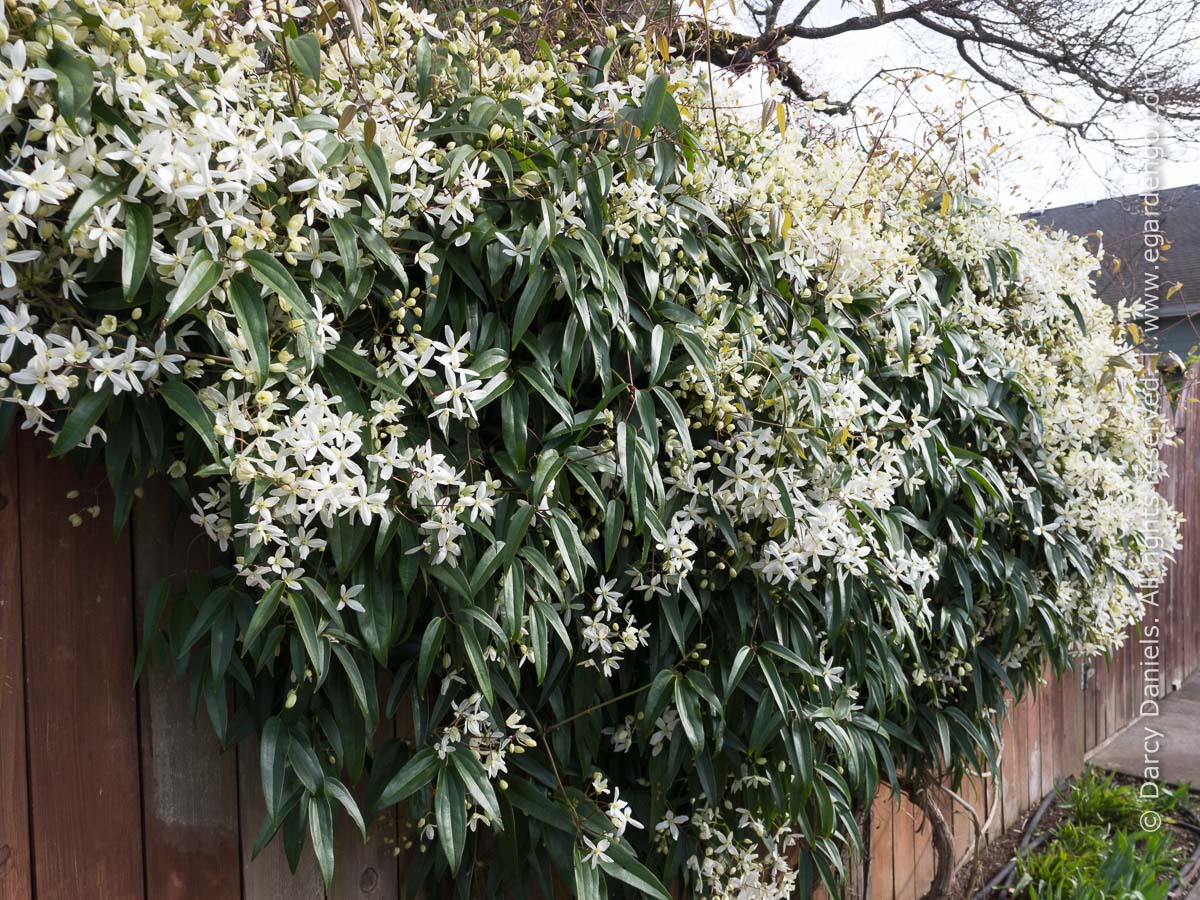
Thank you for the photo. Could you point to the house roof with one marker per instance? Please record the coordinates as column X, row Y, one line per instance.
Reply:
column 1124, row 222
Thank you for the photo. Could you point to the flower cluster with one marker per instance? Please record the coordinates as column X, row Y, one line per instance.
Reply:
column 652, row 460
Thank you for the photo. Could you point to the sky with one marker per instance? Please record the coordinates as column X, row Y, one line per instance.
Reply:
column 1037, row 167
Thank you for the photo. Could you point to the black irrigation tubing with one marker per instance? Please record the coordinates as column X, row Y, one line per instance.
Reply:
column 1031, row 826
column 1185, row 873
column 1000, row 882
column 1028, row 842
column 1186, row 826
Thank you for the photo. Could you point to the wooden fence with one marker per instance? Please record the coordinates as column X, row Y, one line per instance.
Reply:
column 112, row 792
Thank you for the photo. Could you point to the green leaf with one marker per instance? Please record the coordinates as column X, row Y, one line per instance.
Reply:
column 569, row 545
column 74, row 81
column 540, row 383
column 347, row 244
column 201, row 277
column 614, row 519
column 678, row 419
column 320, row 826
column 155, row 604
column 354, row 676
column 741, row 663
column 305, row 53
column 377, row 171
column 345, row 357
column 271, row 755
column 379, row 249
column 139, row 236
column 413, row 776
column 221, row 643
column 688, row 706
column 513, row 595
column 263, row 613
column 450, row 812
column 476, row 780
column 431, row 643
column 183, row 400
column 308, row 630
column 305, row 762
column 658, row 695
column 549, row 464
column 625, row 867
column 541, row 645
column 270, row 271
column 424, row 66
column 212, row 606
column 536, row 289
column 485, row 568
column 251, row 315
column 653, row 102
column 514, row 425
column 534, row 802
column 587, row 878
column 340, row 793
column 80, row 421
column 477, row 662
column 100, row 190
column 775, row 683
column 544, row 610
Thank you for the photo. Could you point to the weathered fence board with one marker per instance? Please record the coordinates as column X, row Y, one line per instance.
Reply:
column 85, row 795
column 189, row 789
column 15, row 861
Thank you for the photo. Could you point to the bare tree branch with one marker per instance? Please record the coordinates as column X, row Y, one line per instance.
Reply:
column 1141, row 54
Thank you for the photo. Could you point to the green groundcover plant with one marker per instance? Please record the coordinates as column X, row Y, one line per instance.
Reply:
column 674, row 475
column 1102, row 850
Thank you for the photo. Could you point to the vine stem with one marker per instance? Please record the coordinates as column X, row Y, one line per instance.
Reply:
column 595, row 706
column 562, row 787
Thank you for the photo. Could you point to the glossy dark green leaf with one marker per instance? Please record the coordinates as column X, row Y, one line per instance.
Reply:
column 338, row 791
column 74, row 81
column 304, row 762
column 320, row 824
column 377, row 171
column 305, row 53
column 273, row 748
column 101, row 190
column 478, row 664
column 139, row 236
column 476, row 781
column 271, row 272
column 264, row 612
column 202, row 275
column 414, row 775
column 687, row 704
column 431, row 645
column 625, row 868
column 354, row 675
column 188, row 407
column 534, row 293
column 450, row 813
column 251, row 314
column 87, row 412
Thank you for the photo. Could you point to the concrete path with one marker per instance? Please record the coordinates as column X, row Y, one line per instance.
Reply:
column 1163, row 745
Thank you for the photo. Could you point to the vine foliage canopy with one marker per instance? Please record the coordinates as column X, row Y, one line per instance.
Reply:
column 676, row 475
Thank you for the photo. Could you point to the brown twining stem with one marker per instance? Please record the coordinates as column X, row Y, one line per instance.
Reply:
column 922, row 791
